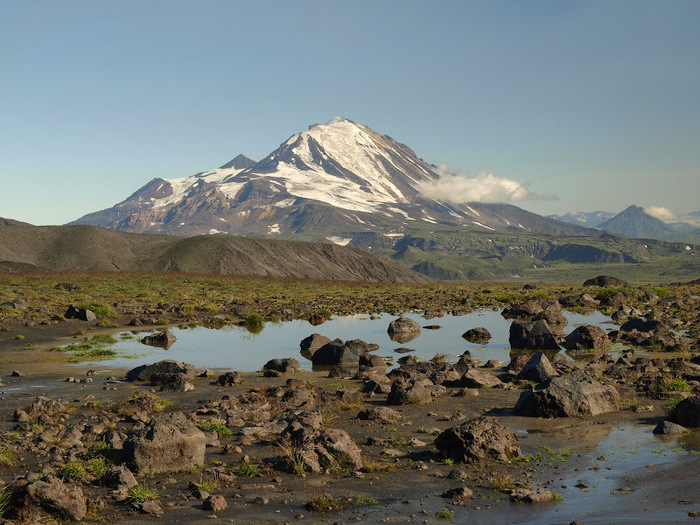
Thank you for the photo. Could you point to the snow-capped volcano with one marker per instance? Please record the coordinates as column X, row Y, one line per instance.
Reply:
column 346, row 165
column 335, row 181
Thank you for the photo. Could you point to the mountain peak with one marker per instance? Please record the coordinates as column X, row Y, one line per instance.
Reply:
column 338, row 120
column 634, row 222
column 240, row 162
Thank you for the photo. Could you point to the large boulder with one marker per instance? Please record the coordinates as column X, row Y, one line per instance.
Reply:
column 477, row 335
column 688, row 412
column 604, row 280
column 523, row 311
column 327, row 448
column 537, row 369
column 309, row 345
column 478, row 439
column 535, row 335
column 73, row 312
column 361, row 347
column 552, row 313
column 477, row 378
column 575, row 394
column 169, row 443
column 336, row 353
column 405, row 392
column 588, row 337
column 283, row 366
column 171, row 382
column 166, row 366
column 403, row 330
column 164, row 339
column 643, row 326
column 63, row 500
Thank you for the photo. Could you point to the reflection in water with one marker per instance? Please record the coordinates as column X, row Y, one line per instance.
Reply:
column 236, row 348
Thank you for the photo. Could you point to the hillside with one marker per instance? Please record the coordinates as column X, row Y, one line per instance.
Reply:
column 25, row 247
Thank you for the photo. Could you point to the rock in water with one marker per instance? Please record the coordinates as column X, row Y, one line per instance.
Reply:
column 536, row 335
column 588, row 337
column 403, row 330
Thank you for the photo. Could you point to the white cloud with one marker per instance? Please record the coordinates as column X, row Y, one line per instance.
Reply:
column 484, row 187
column 660, row 213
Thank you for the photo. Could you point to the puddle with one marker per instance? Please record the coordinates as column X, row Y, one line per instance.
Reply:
column 620, row 476
column 236, row 348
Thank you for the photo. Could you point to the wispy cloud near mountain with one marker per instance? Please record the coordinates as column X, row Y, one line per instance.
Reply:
column 660, row 212
column 485, row 187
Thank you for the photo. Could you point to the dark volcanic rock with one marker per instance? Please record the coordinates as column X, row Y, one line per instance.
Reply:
column 310, row 344
column 336, row 353
column 668, row 428
column 477, row 335
column 60, row 499
column 688, row 412
column 80, row 313
column 477, row 439
column 171, row 382
column 403, row 330
column 477, row 378
column 169, row 443
column 230, row 379
column 523, row 311
column 587, row 337
column 535, row 335
column 118, row 477
column 160, row 339
column 325, row 448
column 537, row 369
column 574, row 394
column 408, row 392
column 283, row 366
column 605, row 280
column 166, row 366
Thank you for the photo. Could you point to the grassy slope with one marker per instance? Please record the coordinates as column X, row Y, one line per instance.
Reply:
column 54, row 248
column 446, row 253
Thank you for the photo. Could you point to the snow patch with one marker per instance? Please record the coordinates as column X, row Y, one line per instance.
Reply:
column 183, row 185
column 286, row 203
column 274, row 228
column 484, row 226
column 214, row 231
column 341, row 241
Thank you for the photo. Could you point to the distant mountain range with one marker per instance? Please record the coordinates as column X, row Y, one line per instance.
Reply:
column 635, row 223
column 336, row 182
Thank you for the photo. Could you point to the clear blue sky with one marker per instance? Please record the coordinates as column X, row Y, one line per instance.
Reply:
column 596, row 102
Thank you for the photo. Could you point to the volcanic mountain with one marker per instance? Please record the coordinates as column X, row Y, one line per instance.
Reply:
column 340, row 182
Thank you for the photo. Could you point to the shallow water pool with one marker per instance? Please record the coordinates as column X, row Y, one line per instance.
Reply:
column 235, row 348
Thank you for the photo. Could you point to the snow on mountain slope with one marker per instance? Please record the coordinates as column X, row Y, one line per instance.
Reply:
column 344, row 164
